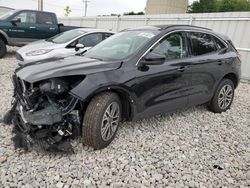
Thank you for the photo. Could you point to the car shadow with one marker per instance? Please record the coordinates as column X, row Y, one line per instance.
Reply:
column 10, row 54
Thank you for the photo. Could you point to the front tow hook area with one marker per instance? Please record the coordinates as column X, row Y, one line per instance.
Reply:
column 46, row 129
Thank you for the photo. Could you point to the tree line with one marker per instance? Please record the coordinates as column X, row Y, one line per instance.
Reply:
column 202, row 6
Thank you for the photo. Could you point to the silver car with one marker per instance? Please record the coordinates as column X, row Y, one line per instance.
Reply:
column 62, row 45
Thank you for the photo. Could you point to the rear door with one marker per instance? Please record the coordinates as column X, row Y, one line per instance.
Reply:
column 207, row 65
column 46, row 25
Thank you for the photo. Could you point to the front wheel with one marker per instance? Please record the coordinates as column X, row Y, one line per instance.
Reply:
column 223, row 97
column 101, row 120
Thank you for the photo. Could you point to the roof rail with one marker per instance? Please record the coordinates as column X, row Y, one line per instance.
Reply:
column 193, row 26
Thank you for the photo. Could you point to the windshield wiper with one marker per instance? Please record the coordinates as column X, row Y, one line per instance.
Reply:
column 49, row 40
column 97, row 58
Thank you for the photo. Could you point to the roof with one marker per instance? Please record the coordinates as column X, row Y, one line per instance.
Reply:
column 163, row 27
column 87, row 30
column 6, row 7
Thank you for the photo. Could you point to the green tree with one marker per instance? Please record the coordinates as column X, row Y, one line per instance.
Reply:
column 233, row 5
column 67, row 10
column 219, row 6
column 133, row 13
column 203, row 6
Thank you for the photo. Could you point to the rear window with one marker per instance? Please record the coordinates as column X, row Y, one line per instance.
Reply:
column 91, row 39
column 44, row 18
column 201, row 43
column 107, row 35
column 219, row 44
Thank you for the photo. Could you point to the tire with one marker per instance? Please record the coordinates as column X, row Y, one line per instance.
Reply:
column 97, row 118
column 3, row 49
column 223, row 97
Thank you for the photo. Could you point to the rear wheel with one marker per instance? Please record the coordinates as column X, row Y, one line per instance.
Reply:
column 223, row 96
column 101, row 120
column 3, row 48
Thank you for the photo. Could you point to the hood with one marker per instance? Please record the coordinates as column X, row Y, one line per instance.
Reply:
column 59, row 67
column 37, row 45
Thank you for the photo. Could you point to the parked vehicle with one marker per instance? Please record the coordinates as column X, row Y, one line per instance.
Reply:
column 19, row 27
column 68, row 43
column 134, row 74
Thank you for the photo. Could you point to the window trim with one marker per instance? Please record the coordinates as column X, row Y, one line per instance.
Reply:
column 171, row 32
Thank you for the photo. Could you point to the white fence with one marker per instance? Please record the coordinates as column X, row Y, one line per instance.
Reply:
column 235, row 25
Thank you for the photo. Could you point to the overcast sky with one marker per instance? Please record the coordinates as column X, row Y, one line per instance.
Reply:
column 95, row 7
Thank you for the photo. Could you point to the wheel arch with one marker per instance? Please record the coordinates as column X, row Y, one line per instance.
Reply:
column 233, row 77
column 127, row 100
column 4, row 37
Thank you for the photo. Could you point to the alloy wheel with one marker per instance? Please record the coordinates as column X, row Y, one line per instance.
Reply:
column 110, row 121
column 225, row 96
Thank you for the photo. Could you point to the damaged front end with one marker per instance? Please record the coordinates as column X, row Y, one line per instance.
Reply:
column 46, row 114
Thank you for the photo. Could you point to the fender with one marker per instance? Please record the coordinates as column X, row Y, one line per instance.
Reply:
column 97, row 83
column 90, row 87
column 5, row 36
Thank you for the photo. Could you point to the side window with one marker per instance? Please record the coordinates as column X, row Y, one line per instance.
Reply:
column 173, row 47
column 107, row 35
column 201, row 43
column 44, row 18
column 91, row 39
column 219, row 44
column 26, row 17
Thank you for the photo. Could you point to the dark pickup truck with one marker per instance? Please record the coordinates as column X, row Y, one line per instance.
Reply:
column 19, row 27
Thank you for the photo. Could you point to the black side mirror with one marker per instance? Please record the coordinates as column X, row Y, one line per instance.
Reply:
column 15, row 21
column 153, row 59
column 60, row 24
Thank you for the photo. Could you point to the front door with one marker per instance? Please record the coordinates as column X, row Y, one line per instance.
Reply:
column 25, row 30
column 164, row 88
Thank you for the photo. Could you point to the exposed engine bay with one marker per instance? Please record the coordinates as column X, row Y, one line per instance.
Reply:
column 45, row 114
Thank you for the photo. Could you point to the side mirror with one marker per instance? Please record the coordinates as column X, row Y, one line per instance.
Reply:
column 15, row 21
column 79, row 46
column 60, row 24
column 153, row 59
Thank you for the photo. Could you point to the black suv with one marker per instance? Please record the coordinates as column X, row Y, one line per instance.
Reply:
column 134, row 74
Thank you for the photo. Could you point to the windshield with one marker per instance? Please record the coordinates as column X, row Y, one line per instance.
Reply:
column 121, row 45
column 66, row 36
column 7, row 15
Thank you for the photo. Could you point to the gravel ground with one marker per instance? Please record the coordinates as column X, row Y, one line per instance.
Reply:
column 191, row 148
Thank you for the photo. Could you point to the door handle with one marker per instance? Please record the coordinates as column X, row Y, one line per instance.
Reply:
column 182, row 69
column 220, row 62
column 32, row 27
column 52, row 28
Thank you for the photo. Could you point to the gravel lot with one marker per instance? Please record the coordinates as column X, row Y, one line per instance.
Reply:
column 191, row 148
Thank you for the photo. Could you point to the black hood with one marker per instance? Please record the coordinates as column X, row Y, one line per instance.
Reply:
column 59, row 67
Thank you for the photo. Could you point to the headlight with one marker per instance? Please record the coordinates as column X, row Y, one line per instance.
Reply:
column 39, row 52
